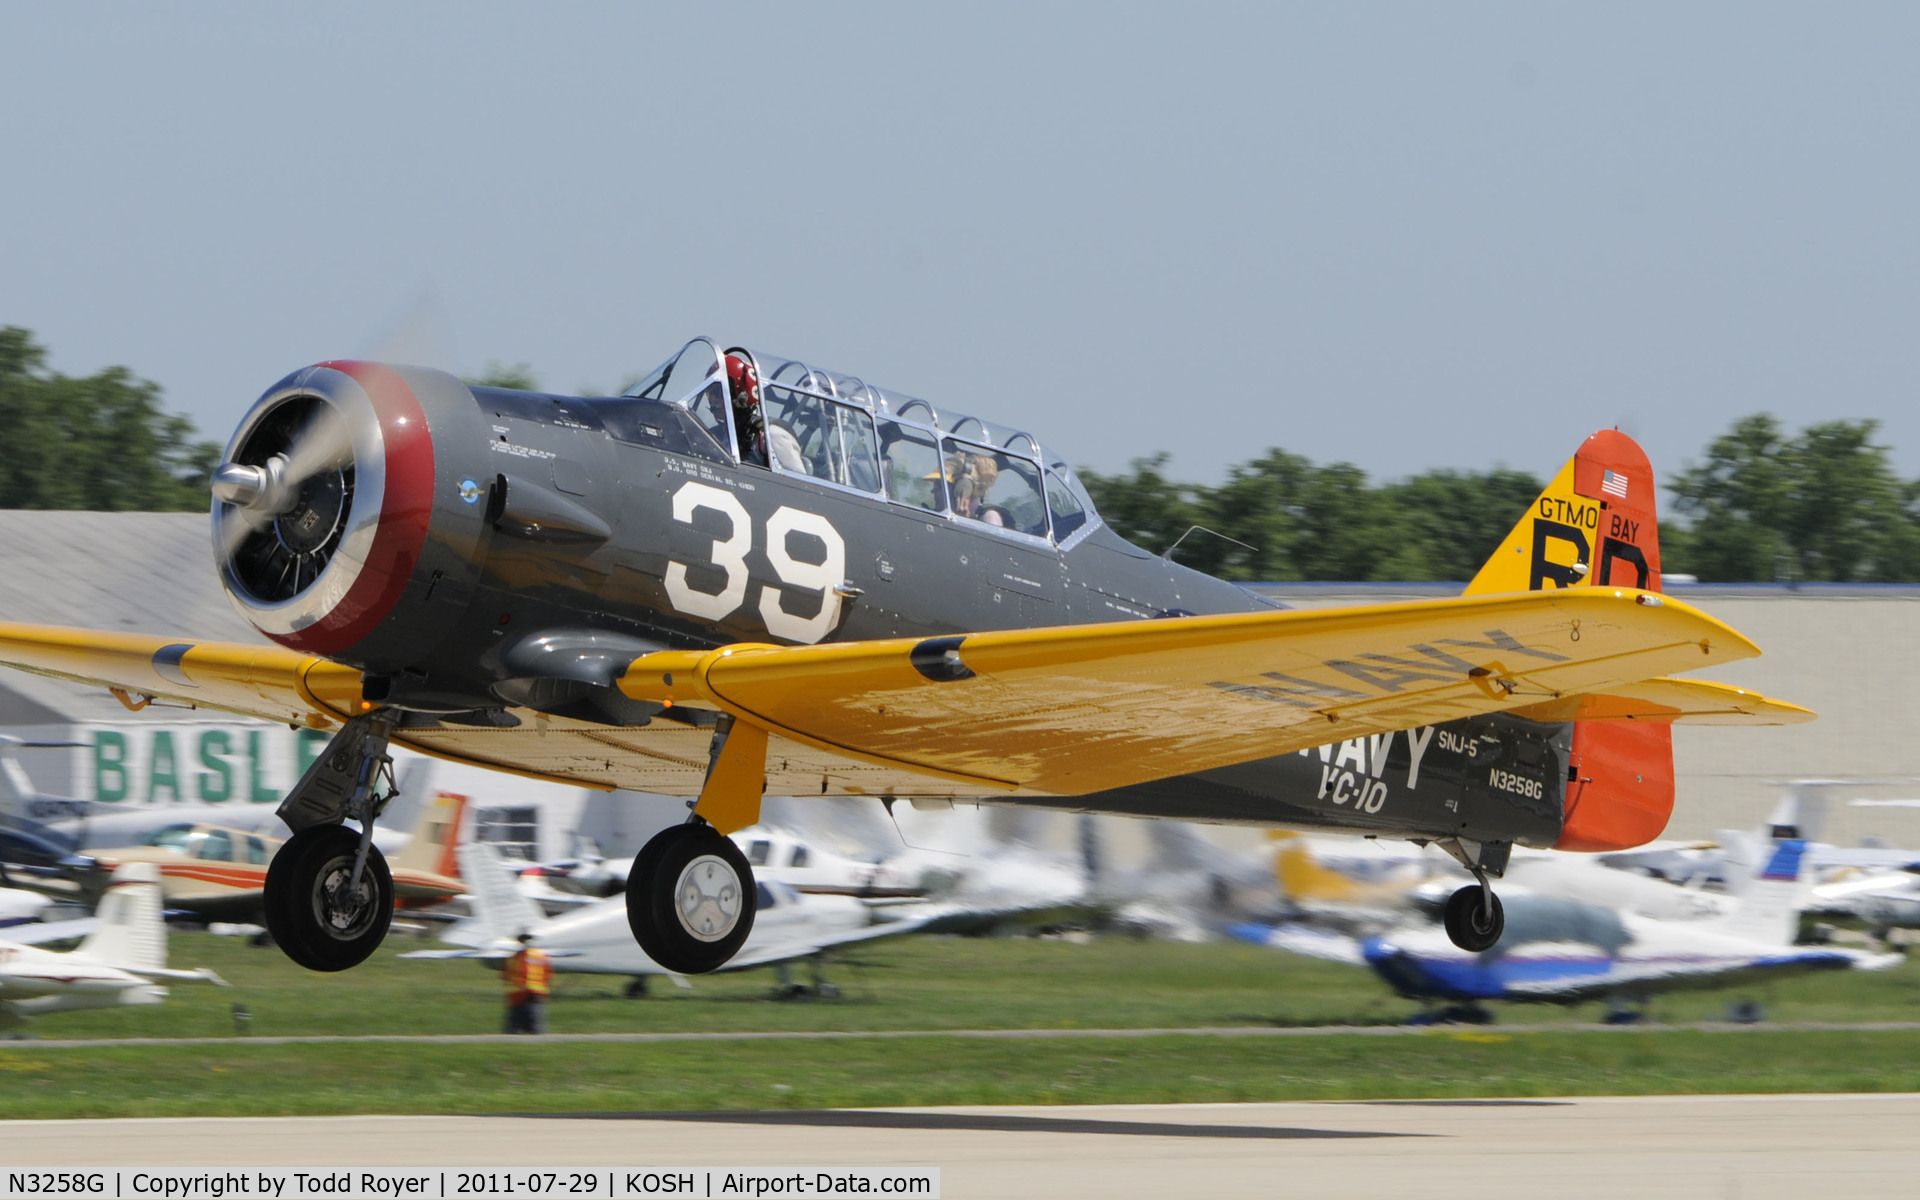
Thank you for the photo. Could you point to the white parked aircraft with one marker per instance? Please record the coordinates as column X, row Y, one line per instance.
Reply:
column 785, row 855
column 977, row 881
column 123, row 961
column 1883, row 900
column 597, row 940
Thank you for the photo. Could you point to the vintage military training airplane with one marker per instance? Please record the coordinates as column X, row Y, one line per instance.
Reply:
column 749, row 574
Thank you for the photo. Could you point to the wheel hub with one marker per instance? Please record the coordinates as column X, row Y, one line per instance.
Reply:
column 707, row 898
column 343, row 912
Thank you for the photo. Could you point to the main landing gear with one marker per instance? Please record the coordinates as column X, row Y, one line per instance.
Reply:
column 1473, row 916
column 329, row 895
column 326, row 913
column 690, row 898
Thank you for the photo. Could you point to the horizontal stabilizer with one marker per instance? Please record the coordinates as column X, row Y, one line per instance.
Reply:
column 1672, row 701
column 198, row 975
column 1666, row 974
column 806, row 946
column 488, row 953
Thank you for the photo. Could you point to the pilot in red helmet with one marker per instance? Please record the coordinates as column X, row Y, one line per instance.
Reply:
column 749, row 426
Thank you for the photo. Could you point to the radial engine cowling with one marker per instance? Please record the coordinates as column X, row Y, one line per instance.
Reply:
column 349, row 512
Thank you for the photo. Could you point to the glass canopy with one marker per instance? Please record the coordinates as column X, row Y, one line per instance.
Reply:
column 843, row 431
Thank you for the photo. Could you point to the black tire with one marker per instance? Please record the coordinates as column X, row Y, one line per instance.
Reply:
column 306, row 909
column 1474, row 918
column 704, row 933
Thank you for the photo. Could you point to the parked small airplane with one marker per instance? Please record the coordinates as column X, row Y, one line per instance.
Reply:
column 218, row 874
column 1881, row 900
column 1801, row 813
column 595, row 940
column 1565, row 951
column 123, row 961
column 749, row 575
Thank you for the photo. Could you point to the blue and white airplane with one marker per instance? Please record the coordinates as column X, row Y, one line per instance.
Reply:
column 1566, row 951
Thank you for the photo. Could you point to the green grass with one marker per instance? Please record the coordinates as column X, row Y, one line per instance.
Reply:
column 259, row 1080
column 916, row 984
column 905, row 983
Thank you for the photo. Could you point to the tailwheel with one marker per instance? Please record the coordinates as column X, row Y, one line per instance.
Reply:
column 314, row 910
column 1474, row 918
column 690, row 899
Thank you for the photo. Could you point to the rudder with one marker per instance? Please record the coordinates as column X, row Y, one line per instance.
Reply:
column 130, row 929
column 501, row 912
column 1597, row 525
column 436, row 837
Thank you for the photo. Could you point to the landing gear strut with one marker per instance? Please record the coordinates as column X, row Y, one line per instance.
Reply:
column 690, row 898
column 329, row 896
column 1473, row 917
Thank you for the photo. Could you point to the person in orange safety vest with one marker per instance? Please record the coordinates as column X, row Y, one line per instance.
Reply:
column 528, row 975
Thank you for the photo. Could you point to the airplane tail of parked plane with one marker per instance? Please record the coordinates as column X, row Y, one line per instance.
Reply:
column 23, row 807
column 500, row 911
column 1596, row 525
column 129, row 930
column 416, row 792
column 1775, row 888
column 16, row 787
column 436, row 837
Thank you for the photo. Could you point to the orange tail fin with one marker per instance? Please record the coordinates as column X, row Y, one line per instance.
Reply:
column 1596, row 525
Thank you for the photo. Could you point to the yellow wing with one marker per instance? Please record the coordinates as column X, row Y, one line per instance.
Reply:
column 255, row 681
column 1056, row 711
column 1075, row 710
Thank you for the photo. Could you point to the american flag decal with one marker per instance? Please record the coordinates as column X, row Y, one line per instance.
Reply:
column 1614, row 484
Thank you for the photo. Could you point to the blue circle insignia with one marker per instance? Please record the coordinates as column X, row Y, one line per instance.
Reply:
column 471, row 491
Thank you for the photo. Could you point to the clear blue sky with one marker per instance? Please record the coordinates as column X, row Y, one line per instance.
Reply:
column 1406, row 236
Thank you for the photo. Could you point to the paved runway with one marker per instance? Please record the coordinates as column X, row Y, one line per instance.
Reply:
column 1744, row 1147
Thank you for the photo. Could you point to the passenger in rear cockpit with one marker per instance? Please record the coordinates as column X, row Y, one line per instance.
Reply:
column 749, row 425
column 970, row 477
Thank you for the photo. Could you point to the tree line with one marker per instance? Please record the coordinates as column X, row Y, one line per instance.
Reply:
column 1821, row 506
column 99, row 441
column 1762, row 504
